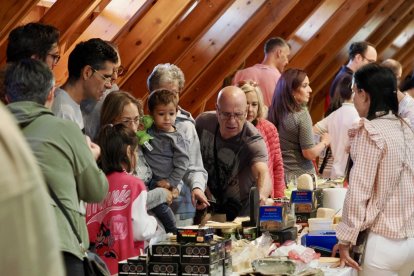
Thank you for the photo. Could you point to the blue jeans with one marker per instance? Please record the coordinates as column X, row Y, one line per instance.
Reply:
column 164, row 213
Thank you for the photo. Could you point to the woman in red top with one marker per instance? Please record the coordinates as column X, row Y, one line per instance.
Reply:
column 119, row 225
column 256, row 114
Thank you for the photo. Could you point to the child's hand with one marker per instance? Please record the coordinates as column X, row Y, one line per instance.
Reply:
column 164, row 184
column 175, row 192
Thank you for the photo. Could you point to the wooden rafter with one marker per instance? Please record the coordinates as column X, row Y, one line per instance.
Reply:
column 238, row 48
column 139, row 40
column 179, row 39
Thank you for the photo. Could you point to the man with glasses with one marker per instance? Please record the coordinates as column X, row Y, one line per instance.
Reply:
column 33, row 40
column 91, row 108
column 360, row 53
column 91, row 65
column 234, row 154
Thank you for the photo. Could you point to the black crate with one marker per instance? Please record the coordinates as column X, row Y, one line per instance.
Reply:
column 164, row 269
column 166, row 252
column 200, row 253
column 214, row 269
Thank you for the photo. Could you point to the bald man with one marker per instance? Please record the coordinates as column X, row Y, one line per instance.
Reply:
column 234, row 154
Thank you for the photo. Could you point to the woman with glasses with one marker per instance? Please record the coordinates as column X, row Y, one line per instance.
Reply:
column 256, row 114
column 120, row 107
column 288, row 112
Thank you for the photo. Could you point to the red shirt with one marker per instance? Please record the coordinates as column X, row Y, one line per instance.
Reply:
column 110, row 222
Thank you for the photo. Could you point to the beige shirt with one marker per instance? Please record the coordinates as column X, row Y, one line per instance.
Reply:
column 28, row 236
column 381, row 191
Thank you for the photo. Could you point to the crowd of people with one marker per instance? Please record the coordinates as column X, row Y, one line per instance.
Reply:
column 81, row 145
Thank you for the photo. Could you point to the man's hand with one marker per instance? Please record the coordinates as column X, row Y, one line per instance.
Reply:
column 345, row 257
column 95, row 149
column 199, row 199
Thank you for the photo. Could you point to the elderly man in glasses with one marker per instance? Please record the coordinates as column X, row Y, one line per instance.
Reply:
column 234, row 154
column 91, row 65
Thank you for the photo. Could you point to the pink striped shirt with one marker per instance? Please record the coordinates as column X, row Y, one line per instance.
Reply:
column 381, row 187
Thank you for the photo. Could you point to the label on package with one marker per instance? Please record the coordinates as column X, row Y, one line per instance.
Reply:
column 302, row 197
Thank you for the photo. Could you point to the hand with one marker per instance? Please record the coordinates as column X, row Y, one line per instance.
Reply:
column 95, row 149
column 175, row 192
column 345, row 257
column 263, row 199
column 163, row 184
column 326, row 139
column 169, row 196
column 199, row 199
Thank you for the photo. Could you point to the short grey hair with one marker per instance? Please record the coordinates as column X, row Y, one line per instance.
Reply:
column 164, row 74
column 28, row 80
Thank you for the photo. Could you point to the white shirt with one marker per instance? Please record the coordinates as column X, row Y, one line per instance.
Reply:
column 337, row 125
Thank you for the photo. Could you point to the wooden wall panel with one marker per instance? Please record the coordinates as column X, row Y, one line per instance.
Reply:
column 146, row 34
column 239, row 47
column 177, row 42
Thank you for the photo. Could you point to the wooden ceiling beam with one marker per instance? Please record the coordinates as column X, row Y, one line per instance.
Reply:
column 140, row 39
column 265, row 19
column 67, row 16
column 331, row 37
column 320, row 82
column 289, row 25
column 395, row 32
column 401, row 10
column 179, row 40
column 11, row 13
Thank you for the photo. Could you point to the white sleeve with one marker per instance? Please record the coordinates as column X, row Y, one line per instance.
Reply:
column 143, row 225
column 322, row 126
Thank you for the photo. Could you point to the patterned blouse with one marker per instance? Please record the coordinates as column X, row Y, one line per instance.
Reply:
column 381, row 192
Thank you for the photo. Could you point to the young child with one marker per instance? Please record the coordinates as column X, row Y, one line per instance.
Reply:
column 120, row 224
column 168, row 153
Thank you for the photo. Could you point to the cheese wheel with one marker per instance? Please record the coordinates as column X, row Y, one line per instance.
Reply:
column 325, row 213
column 305, row 182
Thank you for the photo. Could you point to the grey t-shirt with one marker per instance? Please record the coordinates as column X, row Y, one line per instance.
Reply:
column 235, row 157
column 295, row 134
column 65, row 107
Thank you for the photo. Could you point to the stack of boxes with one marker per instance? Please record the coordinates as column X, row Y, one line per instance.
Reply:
column 194, row 253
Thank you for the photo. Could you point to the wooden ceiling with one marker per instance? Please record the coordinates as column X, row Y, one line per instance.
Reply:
column 210, row 39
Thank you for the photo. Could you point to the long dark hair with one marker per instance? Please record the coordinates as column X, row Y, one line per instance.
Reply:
column 283, row 101
column 342, row 93
column 381, row 85
column 114, row 141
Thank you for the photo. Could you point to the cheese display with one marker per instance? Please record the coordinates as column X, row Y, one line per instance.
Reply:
column 305, row 182
column 325, row 213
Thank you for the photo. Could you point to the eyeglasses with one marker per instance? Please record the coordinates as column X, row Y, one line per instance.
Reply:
column 226, row 116
column 56, row 57
column 120, row 71
column 369, row 60
column 107, row 79
column 130, row 121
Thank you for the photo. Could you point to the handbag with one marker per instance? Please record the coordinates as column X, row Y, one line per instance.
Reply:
column 92, row 263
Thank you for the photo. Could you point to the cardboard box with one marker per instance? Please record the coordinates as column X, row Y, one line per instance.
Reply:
column 214, row 269
column 166, row 252
column 136, row 266
column 194, row 234
column 164, row 269
column 199, row 253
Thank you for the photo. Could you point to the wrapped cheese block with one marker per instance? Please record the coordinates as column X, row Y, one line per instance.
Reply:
column 305, row 182
column 325, row 213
